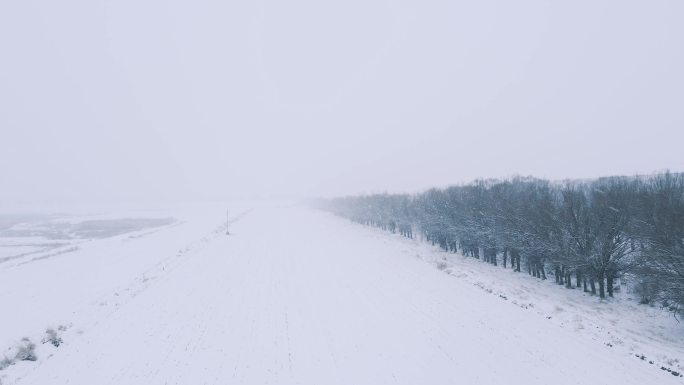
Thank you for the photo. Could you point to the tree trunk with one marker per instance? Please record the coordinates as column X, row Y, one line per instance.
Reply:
column 602, row 285
column 609, row 278
column 505, row 256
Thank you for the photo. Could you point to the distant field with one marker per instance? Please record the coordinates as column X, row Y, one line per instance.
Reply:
column 34, row 235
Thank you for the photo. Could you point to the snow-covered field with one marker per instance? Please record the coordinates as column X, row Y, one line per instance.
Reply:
column 297, row 296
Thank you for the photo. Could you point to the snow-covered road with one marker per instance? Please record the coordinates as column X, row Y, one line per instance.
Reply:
column 297, row 296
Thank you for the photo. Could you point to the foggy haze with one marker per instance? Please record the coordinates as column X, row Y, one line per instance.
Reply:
column 336, row 192
column 128, row 100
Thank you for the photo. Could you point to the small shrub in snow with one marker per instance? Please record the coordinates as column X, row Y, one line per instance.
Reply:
column 52, row 337
column 5, row 362
column 26, row 351
column 441, row 265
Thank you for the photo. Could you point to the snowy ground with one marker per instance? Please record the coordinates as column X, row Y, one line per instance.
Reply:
column 296, row 296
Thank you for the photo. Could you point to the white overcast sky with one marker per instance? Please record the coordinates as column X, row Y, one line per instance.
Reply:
column 170, row 99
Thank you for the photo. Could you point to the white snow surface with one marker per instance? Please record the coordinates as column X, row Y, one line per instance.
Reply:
column 298, row 296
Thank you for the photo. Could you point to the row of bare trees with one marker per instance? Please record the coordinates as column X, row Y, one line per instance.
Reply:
column 584, row 234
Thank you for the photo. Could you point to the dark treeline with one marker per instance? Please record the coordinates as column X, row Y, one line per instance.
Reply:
column 585, row 235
